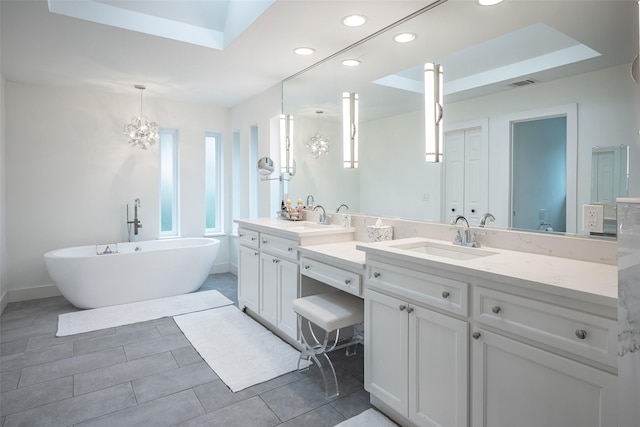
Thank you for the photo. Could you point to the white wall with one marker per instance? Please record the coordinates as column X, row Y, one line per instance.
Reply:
column 257, row 111
column 70, row 173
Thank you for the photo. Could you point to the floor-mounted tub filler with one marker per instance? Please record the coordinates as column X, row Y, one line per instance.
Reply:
column 94, row 276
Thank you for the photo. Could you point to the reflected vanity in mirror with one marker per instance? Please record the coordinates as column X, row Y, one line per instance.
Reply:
column 523, row 61
column 609, row 180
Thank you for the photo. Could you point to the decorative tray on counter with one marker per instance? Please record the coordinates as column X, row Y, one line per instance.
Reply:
column 290, row 216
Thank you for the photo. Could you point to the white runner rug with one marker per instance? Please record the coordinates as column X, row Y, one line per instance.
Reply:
column 368, row 418
column 241, row 351
column 125, row 314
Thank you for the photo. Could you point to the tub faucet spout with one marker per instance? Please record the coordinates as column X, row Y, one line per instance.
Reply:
column 137, row 225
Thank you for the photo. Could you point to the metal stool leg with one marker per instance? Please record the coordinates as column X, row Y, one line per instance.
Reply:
column 313, row 350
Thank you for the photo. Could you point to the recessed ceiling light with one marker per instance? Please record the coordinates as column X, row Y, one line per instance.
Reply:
column 354, row 20
column 304, row 50
column 489, row 2
column 405, row 37
column 350, row 62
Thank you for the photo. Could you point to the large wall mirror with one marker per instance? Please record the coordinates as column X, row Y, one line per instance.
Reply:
column 527, row 83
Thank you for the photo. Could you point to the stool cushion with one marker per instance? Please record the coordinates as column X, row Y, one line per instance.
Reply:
column 332, row 310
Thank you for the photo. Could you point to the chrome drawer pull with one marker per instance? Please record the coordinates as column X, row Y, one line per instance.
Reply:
column 275, row 260
column 306, row 267
column 402, row 307
column 347, row 281
column 409, row 309
column 256, row 253
column 264, row 241
column 290, row 249
column 376, row 274
column 581, row 334
column 476, row 335
column 241, row 235
column 496, row 309
column 445, row 294
column 253, row 239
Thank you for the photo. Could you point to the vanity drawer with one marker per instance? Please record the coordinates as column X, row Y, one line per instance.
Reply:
column 428, row 289
column 570, row 330
column 248, row 237
column 339, row 278
column 278, row 246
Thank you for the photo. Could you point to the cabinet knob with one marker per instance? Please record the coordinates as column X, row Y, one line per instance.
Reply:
column 581, row 334
column 476, row 335
column 409, row 309
column 445, row 294
column 347, row 281
column 276, row 260
column 376, row 274
column 290, row 249
column 240, row 235
column 265, row 241
column 496, row 309
column 402, row 307
column 253, row 239
column 453, row 209
column 307, row 266
column 473, row 211
column 256, row 253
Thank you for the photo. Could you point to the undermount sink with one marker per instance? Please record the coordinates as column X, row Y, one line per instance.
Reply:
column 460, row 253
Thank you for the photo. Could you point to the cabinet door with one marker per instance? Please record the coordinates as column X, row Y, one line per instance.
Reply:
column 515, row 384
column 454, row 174
column 269, row 288
column 248, row 277
column 385, row 355
column 438, row 369
column 476, row 186
column 288, row 291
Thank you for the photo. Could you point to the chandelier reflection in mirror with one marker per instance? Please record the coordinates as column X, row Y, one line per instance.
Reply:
column 318, row 144
column 141, row 132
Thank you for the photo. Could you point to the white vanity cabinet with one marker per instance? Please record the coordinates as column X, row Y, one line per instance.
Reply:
column 248, row 268
column 416, row 358
column 268, row 278
column 445, row 348
column 544, row 375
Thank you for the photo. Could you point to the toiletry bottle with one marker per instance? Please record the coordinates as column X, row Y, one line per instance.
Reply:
column 283, row 207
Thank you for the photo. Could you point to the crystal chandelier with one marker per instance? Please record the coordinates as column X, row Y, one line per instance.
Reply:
column 318, row 144
column 141, row 132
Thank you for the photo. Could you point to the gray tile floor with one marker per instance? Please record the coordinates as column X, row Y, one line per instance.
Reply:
column 148, row 374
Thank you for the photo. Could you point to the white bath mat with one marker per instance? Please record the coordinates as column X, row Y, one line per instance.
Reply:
column 368, row 418
column 241, row 351
column 125, row 314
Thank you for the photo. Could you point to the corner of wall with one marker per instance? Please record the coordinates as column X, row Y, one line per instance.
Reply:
column 3, row 235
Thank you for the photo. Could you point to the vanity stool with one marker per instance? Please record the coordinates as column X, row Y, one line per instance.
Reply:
column 329, row 312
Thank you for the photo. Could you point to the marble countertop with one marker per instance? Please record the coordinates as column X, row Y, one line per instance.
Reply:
column 343, row 253
column 293, row 229
column 587, row 281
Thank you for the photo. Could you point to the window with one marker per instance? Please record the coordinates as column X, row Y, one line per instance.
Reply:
column 168, row 182
column 212, row 182
column 253, row 173
column 235, row 158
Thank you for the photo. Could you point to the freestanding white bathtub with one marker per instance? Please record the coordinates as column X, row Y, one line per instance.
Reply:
column 138, row 271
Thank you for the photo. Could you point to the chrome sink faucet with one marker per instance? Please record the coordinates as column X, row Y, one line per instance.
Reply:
column 486, row 217
column 465, row 238
column 342, row 206
column 137, row 225
column 310, row 196
column 323, row 216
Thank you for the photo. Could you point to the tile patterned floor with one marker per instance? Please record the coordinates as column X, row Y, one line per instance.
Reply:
column 148, row 374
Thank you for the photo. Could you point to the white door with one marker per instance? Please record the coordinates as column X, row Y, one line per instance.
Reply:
column 288, row 291
column 454, row 174
column 515, row 384
column 248, row 277
column 438, row 369
column 269, row 288
column 386, row 334
column 466, row 175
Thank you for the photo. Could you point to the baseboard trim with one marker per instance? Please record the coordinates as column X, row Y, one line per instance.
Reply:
column 36, row 292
